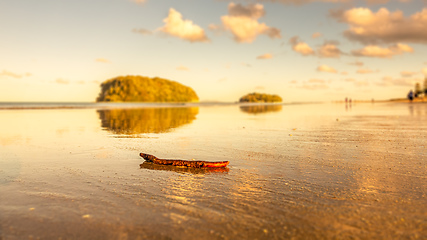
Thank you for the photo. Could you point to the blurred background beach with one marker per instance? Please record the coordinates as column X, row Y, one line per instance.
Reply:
column 318, row 171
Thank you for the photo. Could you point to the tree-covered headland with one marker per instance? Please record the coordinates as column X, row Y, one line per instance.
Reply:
column 145, row 89
column 260, row 98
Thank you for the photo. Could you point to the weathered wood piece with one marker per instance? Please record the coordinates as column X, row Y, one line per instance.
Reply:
column 183, row 163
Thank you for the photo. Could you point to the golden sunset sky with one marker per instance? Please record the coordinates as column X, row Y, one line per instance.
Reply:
column 302, row 50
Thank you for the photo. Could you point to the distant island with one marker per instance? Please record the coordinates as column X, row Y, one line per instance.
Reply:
column 260, row 97
column 145, row 89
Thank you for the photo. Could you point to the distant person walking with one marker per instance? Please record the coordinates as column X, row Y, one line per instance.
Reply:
column 411, row 95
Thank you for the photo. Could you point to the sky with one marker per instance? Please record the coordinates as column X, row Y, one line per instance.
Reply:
column 301, row 50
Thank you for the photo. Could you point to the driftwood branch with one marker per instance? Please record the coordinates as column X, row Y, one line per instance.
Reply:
column 183, row 163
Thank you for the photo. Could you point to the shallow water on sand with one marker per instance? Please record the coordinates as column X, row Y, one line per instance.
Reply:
column 319, row 171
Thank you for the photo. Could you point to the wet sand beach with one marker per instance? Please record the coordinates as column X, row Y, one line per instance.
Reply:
column 307, row 171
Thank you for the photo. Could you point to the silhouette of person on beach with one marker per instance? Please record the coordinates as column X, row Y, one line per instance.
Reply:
column 411, row 95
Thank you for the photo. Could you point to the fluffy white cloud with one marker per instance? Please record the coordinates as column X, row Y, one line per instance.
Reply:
column 383, row 26
column 326, row 68
column 265, row 56
column 301, row 47
column 329, row 50
column 376, row 51
column 176, row 26
column 242, row 22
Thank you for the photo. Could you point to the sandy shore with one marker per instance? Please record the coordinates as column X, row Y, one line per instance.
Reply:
column 323, row 171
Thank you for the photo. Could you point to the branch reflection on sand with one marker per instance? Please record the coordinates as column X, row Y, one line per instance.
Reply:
column 256, row 109
column 152, row 166
column 146, row 120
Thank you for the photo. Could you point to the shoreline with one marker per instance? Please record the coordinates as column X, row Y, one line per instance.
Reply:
column 124, row 105
column 136, row 105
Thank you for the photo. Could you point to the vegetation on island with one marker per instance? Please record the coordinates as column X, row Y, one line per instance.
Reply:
column 145, row 89
column 260, row 98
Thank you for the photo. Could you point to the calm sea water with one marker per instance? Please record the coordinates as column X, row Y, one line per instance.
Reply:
column 314, row 171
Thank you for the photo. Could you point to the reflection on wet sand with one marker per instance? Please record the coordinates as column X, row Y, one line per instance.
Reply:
column 152, row 166
column 146, row 120
column 256, row 109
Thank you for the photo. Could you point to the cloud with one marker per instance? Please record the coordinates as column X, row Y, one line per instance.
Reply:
column 301, row 2
column 215, row 28
column 326, row 68
column 357, row 63
column 252, row 10
column 408, row 73
column 357, row 83
column 315, row 84
column 315, row 80
column 390, row 81
column 5, row 73
column 102, row 60
column 316, row 35
column 361, row 83
column 176, row 26
column 301, row 47
column 329, row 50
column 242, row 22
column 368, row 27
column 142, row 31
column 265, row 56
column 182, row 68
column 62, row 81
column 139, row 1
column 425, row 71
column 365, row 71
column 376, row 51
